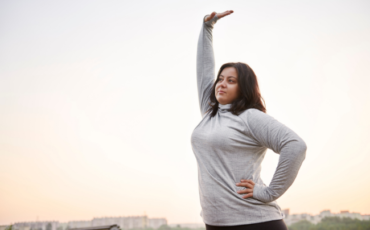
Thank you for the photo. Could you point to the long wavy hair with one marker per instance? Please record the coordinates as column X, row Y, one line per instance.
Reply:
column 249, row 97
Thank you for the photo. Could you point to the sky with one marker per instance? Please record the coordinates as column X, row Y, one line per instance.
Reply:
column 98, row 101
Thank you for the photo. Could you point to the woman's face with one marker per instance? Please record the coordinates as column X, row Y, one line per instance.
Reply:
column 227, row 88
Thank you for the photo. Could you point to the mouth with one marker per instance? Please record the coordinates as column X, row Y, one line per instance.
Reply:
column 221, row 91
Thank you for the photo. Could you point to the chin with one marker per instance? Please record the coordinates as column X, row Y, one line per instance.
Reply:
column 222, row 102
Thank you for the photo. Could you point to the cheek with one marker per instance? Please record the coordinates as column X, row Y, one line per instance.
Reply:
column 235, row 91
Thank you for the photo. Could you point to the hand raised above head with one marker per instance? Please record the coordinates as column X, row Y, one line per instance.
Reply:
column 219, row 15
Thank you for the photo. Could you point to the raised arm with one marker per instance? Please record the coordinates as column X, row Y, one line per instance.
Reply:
column 292, row 149
column 206, row 59
column 205, row 63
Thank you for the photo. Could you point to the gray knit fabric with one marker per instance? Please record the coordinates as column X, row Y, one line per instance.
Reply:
column 229, row 148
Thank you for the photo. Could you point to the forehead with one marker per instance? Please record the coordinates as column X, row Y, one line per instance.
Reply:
column 229, row 72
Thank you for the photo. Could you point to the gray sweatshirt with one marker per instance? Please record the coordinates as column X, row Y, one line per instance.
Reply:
column 229, row 148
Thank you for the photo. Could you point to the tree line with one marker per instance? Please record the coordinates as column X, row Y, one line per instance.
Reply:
column 332, row 223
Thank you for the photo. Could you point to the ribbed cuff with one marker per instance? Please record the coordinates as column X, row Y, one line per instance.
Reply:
column 210, row 22
column 259, row 191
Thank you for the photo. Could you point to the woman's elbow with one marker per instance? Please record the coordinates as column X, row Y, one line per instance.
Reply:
column 298, row 148
column 302, row 148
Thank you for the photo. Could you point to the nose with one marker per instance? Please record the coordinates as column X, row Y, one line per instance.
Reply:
column 223, row 83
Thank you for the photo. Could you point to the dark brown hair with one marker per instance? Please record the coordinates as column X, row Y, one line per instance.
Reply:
column 249, row 97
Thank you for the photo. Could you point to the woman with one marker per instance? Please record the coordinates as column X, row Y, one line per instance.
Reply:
column 230, row 143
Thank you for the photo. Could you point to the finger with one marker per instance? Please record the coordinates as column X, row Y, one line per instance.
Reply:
column 245, row 191
column 210, row 16
column 247, row 196
column 228, row 12
column 245, row 184
column 223, row 14
column 250, row 181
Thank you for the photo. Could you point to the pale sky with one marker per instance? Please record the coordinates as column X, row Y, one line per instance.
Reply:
column 98, row 101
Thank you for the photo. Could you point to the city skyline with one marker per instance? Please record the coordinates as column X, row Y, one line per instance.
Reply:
column 80, row 222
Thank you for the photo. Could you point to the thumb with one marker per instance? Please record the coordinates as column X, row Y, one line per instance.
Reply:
column 210, row 16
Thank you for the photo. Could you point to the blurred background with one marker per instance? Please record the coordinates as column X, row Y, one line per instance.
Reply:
column 98, row 100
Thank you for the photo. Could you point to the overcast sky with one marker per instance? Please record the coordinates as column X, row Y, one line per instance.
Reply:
column 98, row 101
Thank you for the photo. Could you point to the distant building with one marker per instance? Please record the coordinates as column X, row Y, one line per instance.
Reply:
column 286, row 212
column 106, row 227
column 36, row 225
column 123, row 222
column 62, row 226
column 188, row 225
column 325, row 213
column 353, row 215
column 127, row 222
column 79, row 224
column 156, row 222
column 293, row 218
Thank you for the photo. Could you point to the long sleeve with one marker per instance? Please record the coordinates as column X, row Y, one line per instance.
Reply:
column 205, row 64
column 272, row 134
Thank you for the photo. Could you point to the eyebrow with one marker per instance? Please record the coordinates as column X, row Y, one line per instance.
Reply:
column 229, row 76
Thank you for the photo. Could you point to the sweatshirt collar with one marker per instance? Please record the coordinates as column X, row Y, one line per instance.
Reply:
column 225, row 107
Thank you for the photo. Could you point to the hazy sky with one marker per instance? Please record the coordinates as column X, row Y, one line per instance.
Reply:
column 98, row 101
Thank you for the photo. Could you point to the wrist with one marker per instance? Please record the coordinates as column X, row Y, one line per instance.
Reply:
column 210, row 22
column 258, row 192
